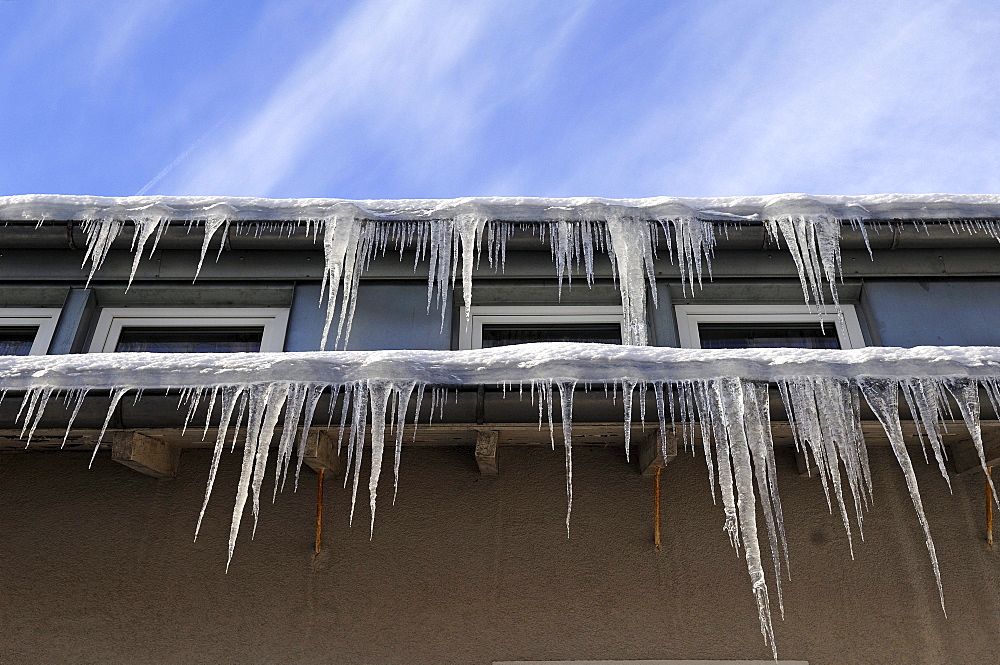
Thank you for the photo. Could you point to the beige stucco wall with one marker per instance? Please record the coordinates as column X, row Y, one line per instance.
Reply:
column 99, row 567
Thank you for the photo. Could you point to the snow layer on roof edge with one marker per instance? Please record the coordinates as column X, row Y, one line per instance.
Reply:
column 43, row 207
column 525, row 362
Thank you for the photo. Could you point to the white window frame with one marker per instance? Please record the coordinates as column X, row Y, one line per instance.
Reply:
column 113, row 319
column 471, row 336
column 43, row 317
column 689, row 316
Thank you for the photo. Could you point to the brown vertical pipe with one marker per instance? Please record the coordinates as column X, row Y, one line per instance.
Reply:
column 656, row 507
column 319, row 513
column 989, row 507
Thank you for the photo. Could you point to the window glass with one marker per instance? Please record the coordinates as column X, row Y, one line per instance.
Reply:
column 17, row 340
column 174, row 339
column 502, row 334
column 768, row 335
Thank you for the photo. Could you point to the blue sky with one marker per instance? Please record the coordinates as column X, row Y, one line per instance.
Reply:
column 432, row 98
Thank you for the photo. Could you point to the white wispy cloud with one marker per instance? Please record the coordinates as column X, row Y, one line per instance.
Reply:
column 448, row 98
column 405, row 77
column 89, row 42
column 842, row 97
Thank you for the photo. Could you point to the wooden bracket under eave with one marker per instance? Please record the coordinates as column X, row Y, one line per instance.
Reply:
column 145, row 454
column 651, row 452
column 321, row 452
column 486, row 452
column 966, row 459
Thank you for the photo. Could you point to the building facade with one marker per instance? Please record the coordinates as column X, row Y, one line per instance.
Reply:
column 469, row 560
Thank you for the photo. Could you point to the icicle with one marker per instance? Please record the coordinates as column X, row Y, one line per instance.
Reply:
column 229, row 399
column 100, row 233
column 244, row 399
column 694, row 244
column 341, row 240
column 293, row 411
column 209, row 411
column 883, row 398
column 36, row 399
column 727, row 407
column 359, row 422
column 145, row 227
column 662, row 417
column 817, row 425
column 403, row 394
column 264, row 404
column 758, row 435
column 272, row 411
column 572, row 244
column 313, row 394
column 440, row 237
column 924, row 399
column 711, row 415
column 966, row 393
column 470, row 231
column 344, row 404
column 379, row 393
column 545, row 404
column 421, row 388
column 566, row 388
column 256, row 400
column 628, row 387
column 812, row 235
column 632, row 251
column 80, row 395
column 193, row 398
column 116, row 396
column 212, row 226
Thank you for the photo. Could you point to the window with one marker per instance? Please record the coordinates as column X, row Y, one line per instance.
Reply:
column 27, row 331
column 491, row 326
column 189, row 330
column 761, row 326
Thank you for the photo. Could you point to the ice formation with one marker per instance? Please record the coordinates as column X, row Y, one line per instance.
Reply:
column 451, row 235
column 724, row 391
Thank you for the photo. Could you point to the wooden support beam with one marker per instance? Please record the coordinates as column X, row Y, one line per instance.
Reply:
column 145, row 454
column 965, row 457
column 651, row 452
column 321, row 452
column 486, row 452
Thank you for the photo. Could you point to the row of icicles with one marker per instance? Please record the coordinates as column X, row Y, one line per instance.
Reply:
column 454, row 246
column 732, row 416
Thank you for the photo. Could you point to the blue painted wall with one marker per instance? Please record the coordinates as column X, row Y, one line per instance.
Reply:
column 394, row 316
column 662, row 319
column 387, row 316
column 933, row 313
column 305, row 319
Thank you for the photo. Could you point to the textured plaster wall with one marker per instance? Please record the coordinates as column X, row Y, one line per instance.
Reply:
column 99, row 567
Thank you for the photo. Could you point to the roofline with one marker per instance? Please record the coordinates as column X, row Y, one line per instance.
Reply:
column 878, row 207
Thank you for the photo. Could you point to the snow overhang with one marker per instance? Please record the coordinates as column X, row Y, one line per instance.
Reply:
column 880, row 207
